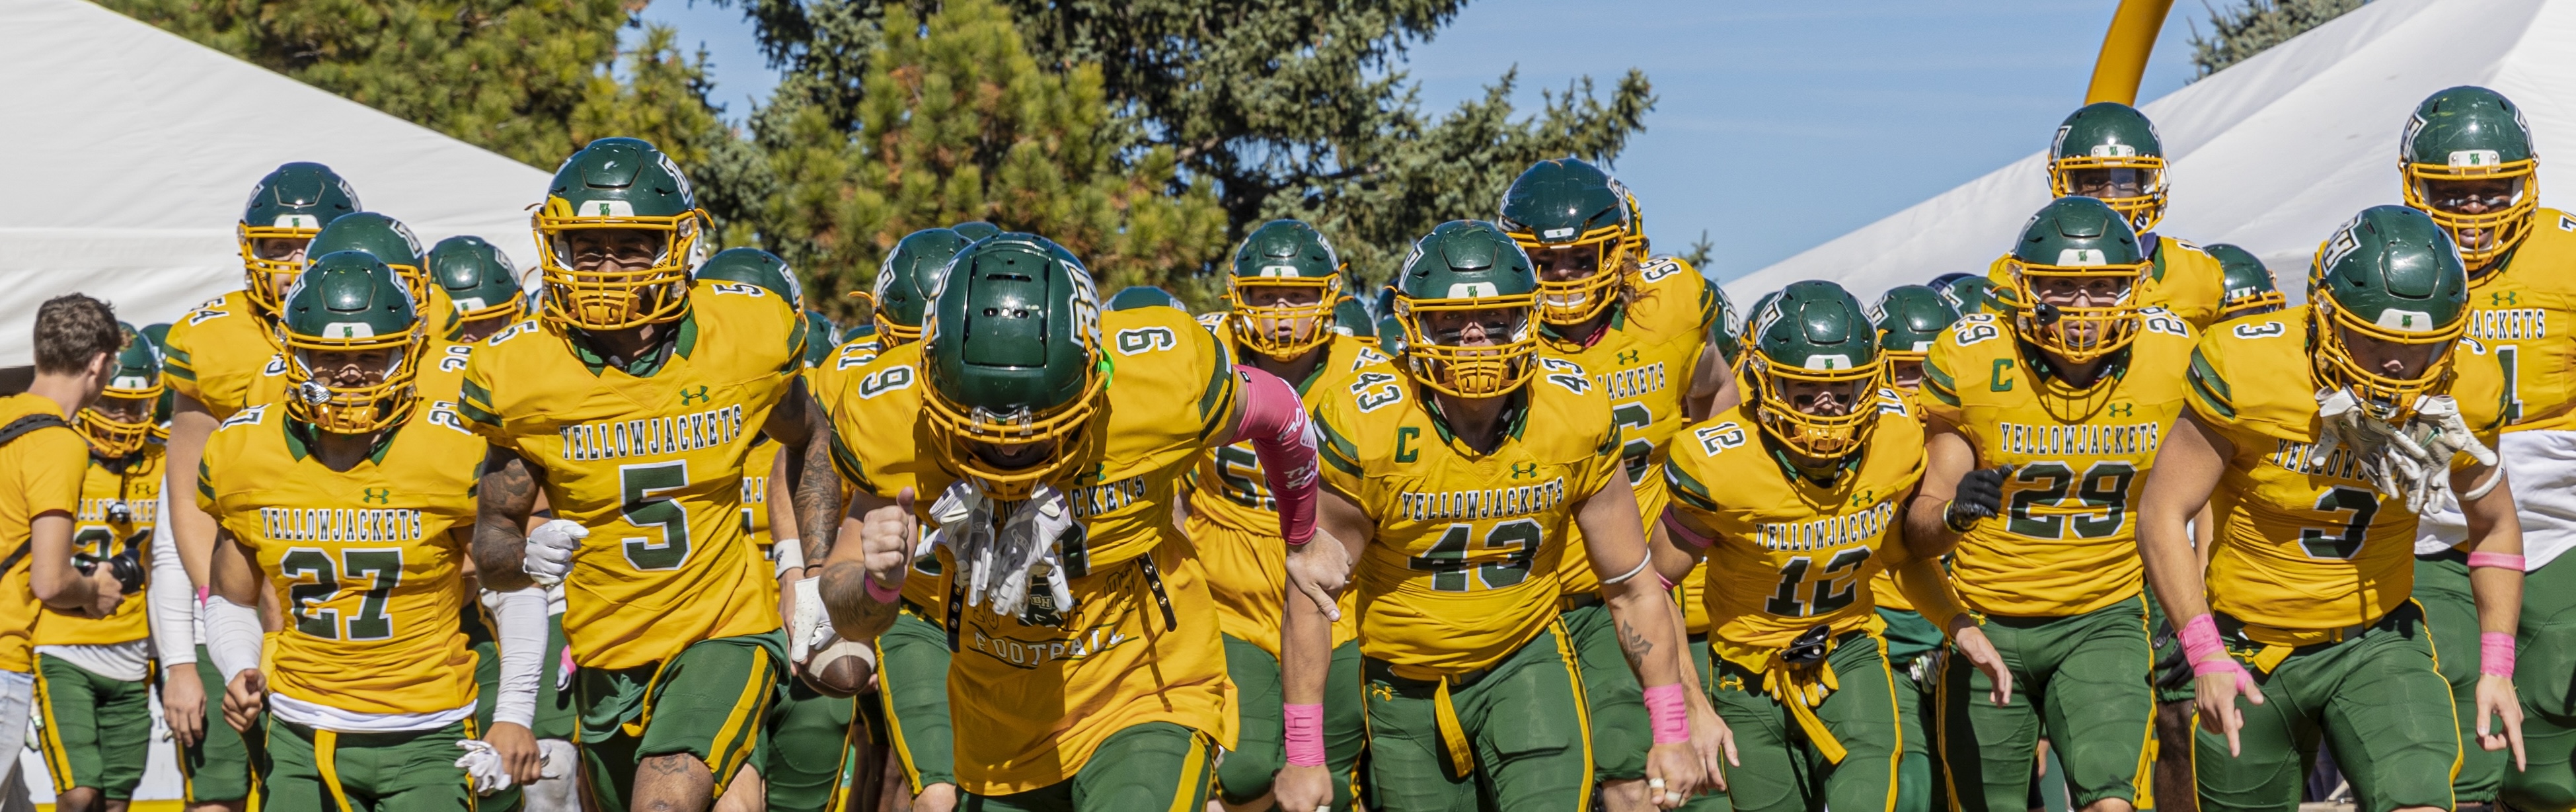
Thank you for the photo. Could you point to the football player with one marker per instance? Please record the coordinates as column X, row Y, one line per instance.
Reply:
column 2318, row 434
column 1808, row 478
column 351, row 502
column 1965, row 291
column 2250, row 286
column 1046, row 441
column 2043, row 424
column 2467, row 162
column 800, row 761
column 2109, row 151
column 44, row 462
column 633, row 402
column 481, row 284
column 1283, row 282
column 1909, row 320
column 214, row 357
column 1135, row 296
column 1641, row 331
column 91, row 690
column 1457, row 483
column 912, row 653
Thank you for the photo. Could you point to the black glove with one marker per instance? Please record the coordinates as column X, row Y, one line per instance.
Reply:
column 1980, row 496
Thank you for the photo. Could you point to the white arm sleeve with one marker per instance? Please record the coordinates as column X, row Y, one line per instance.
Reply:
column 170, row 601
column 232, row 636
column 520, row 620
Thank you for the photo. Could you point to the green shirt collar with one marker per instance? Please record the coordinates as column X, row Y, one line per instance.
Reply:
column 1515, row 417
column 300, row 441
column 684, row 339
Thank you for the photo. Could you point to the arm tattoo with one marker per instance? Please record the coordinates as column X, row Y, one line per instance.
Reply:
column 816, row 486
column 504, row 497
column 855, row 615
column 1635, row 646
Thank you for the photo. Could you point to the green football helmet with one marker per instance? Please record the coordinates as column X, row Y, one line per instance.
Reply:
column 1468, row 267
column 2390, row 274
column 1909, row 318
column 623, row 185
column 1970, row 293
column 349, row 302
column 1013, row 364
column 159, row 334
column 1815, row 333
column 122, row 419
column 1135, row 296
column 1351, row 318
column 2249, row 285
column 2109, row 150
column 819, row 331
column 2076, row 239
column 480, row 281
column 1566, row 204
column 902, row 293
column 1284, row 285
column 974, row 230
column 385, row 237
column 1744, row 330
column 292, row 202
column 1722, row 330
column 752, row 266
column 2463, row 136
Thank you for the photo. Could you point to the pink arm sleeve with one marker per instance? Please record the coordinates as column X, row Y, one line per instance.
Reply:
column 1275, row 421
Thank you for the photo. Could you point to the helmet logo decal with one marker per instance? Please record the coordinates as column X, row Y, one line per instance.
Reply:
column 1823, row 361
column 348, row 329
column 1278, row 271
column 130, row 382
column 1473, row 290
column 2408, row 320
column 303, row 221
column 1556, row 233
column 2476, row 157
column 2082, row 257
column 2114, row 151
column 1922, row 346
column 605, row 208
column 468, row 303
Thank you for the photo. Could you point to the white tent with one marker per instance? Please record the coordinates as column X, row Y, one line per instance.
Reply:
column 133, row 150
column 2270, row 154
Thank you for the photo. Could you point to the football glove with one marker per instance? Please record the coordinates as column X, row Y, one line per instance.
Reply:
column 550, row 548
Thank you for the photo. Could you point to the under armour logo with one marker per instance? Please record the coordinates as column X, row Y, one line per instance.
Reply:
column 687, row 397
column 1524, row 469
column 2123, row 409
column 379, row 496
column 1861, row 499
column 1627, row 357
column 2504, row 298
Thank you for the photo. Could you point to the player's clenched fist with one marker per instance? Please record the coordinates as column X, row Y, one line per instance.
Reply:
column 886, row 538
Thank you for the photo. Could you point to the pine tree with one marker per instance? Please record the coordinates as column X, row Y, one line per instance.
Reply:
column 959, row 122
column 2239, row 33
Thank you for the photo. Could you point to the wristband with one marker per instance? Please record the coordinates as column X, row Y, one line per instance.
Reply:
column 1683, row 534
column 2495, row 654
column 1950, row 520
column 202, row 592
column 791, row 556
column 880, row 592
column 1668, row 713
column 1305, row 734
column 2502, row 561
column 2200, row 641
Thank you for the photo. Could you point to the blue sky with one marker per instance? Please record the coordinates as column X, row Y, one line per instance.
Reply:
column 1779, row 125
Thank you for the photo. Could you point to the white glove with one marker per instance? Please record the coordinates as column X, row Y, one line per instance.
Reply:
column 808, row 627
column 550, row 548
column 482, row 766
column 1030, row 543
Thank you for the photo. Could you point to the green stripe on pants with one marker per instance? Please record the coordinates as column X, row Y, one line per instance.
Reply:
column 1781, row 771
column 2544, row 675
column 1525, row 724
column 97, row 731
column 2451, row 616
column 2079, row 681
column 2375, row 699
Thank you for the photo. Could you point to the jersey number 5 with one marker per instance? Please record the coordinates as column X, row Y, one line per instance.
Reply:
column 641, row 488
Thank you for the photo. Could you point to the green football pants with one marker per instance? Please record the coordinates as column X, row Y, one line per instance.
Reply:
column 2079, row 681
column 2375, row 698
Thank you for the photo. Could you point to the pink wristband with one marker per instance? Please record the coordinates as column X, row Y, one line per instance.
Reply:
column 2502, row 561
column 1682, row 534
column 2200, row 642
column 1305, row 739
column 880, row 592
column 202, row 592
column 2495, row 654
column 1668, row 713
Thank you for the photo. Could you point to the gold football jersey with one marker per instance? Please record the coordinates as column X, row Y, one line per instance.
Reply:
column 44, row 466
column 2301, row 546
column 1643, row 361
column 2520, row 315
column 2182, row 278
column 1464, row 567
column 652, row 464
column 1234, row 520
column 224, row 355
column 829, row 379
column 1789, row 553
column 2067, row 542
column 1032, row 703
column 442, row 369
column 119, row 505
column 367, row 564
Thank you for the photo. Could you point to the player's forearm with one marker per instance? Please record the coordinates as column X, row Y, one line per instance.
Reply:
column 519, row 621
column 1305, row 649
column 170, row 603
column 856, row 615
column 817, row 488
column 1650, row 633
column 51, row 576
column 505, row 497
column 2495, row 556
column 2187, row 469
column 190, row 526
column 1927, row 584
